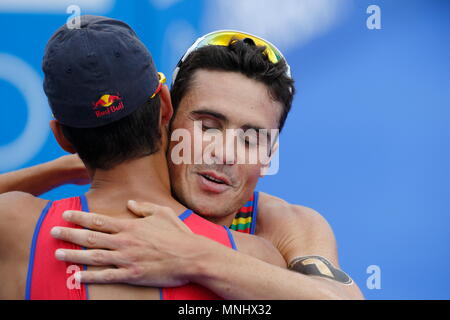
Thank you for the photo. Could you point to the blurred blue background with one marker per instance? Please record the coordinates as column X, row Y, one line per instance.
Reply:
column 367, row 141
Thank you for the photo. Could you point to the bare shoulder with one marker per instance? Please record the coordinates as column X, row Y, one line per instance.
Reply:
column 17, row 199
column 295, row 229
column 299, row 231
column 274, row 212
column 19, row 212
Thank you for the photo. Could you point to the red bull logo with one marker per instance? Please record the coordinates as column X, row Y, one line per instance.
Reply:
column 107, row 104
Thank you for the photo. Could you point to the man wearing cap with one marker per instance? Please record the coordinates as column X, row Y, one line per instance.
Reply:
column 209, row 85
column 111, row 108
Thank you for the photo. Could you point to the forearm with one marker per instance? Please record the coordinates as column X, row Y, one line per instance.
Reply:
column 160, row 251
column 38, row 179
column 234, row 275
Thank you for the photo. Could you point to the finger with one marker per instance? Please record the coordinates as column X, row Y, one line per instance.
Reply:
column 85, row 238
column 92, row 257
column 104, row 276
column 145, row 209
column 93, row 221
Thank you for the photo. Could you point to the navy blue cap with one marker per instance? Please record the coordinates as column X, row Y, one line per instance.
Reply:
column 98, row 73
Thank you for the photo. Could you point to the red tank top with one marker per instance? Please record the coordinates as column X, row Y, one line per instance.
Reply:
column 51, row 279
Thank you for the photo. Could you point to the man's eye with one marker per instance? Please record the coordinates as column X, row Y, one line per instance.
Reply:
column 206, row 125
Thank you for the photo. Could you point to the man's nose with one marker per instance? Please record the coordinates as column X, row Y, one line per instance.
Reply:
column 223, row 150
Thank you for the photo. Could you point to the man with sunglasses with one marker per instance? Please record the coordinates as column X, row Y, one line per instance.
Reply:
column 230, row 81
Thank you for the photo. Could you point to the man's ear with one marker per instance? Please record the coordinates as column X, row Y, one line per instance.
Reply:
column 166, row 106
column 60, row 138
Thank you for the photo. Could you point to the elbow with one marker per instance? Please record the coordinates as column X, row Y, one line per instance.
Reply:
column 329, row 294
column 339, row 292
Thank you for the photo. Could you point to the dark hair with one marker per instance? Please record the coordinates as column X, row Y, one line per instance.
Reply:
column 239, row 56
column 135, row 136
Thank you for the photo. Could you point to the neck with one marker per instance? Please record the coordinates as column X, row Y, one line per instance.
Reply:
column 143, row 179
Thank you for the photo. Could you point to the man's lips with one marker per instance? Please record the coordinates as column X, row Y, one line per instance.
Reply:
column 214, row 177
column 213, row 183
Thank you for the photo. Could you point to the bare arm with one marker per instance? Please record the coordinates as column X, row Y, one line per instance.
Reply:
column 241, row 277
column 158, row 251
column 41, row 178
column 258, row 248
column 303, row 233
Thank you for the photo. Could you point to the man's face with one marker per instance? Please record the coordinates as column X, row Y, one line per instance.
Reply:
column 222, row 101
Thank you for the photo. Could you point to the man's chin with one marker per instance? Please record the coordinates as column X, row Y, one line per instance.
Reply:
column 210, row 207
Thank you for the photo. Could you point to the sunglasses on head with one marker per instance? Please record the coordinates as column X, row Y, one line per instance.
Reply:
column 227, row 37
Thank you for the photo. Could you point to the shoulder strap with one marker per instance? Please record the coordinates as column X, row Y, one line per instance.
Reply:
column 208, row 229
column 48, row 278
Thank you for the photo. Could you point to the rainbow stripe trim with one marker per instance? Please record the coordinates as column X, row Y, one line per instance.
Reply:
column 245, row 219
